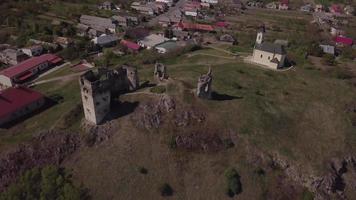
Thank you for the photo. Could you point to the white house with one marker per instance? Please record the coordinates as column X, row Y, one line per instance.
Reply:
column 34, row 50
column 268, row 54
column 152, row 41
column 210, row 1
column 168, row 2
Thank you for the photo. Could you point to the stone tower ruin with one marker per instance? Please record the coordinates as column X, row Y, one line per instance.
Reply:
column 99, row 86
column 96, row 95
column 204, row 89
column 160, row 72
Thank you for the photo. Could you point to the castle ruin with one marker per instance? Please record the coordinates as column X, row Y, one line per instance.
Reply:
column 204, row 85
column 99, row 86
column 160, row 72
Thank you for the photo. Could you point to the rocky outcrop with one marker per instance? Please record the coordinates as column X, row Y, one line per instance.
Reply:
column 50, row 148
column 205, row 142
column 204, row 89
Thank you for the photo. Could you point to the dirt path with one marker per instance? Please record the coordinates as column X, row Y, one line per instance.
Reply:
column 61, row 78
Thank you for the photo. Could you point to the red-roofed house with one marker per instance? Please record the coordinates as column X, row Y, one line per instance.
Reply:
column 195, row 27
column 27, row 69
column 222, row 24
column 283, row 5
column 17, row 102
column 131, row 46
column 343, row 41
column 336, row 9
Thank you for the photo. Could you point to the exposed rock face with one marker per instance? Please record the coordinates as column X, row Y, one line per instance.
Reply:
column 160, row 72
column 50, row 148
column 204, row 85
column 206, row 142
column 98, row 133
column 186, row 118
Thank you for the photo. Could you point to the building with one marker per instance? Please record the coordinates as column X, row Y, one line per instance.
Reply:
column 168, row 2
column 99, row 24
column 142, row 8
column 272, row 5
column 17, row 102
column 152, row 41
column 283, row 5
column 210, row 1
column 27, row 69
column 107, row 5
column 121, row 20
column 64, row 42
column 336, row 9
column 106, row 40
column 307, row 8
column 328, row 49
column 34, row 50
column 343, row 41
column 268, row 54
column 204, row 88
column 167, row 47
column 131, row 46
column 349, row 10
column 98, row 87
column 12, row 56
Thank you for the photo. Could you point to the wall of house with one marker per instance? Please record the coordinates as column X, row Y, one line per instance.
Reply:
column 5, row 82
column 22, row 111
column 264, row 58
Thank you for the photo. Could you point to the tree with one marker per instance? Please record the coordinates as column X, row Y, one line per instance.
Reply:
column 234, row 186
column 166, row 190
column 329, row 59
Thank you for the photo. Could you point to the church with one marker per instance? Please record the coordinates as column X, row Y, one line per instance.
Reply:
column 268, row 54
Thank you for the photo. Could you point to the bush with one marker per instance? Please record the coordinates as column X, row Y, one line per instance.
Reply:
column 234, row 186
column 47, row 183
column 158, row 89
column 142, row 170
column 329, row 60
column 166, row 190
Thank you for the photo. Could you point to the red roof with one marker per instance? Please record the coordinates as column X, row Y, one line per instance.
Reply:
column 343, row 40
column 199, row 27
column 284, row 2
column 30, row 64
column 336, row 8
column 222, row 24
column 15, row 98
column 130, row 45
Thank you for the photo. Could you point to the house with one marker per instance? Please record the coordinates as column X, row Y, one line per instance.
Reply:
column 193, row 12
column 82, row 30
column 164, row 20
column 272, row 5
column 319, row 8
column 99, row 24
column 307, row 8
column 222, row 24
column 107, row 5
column 328, row 49
column 343, row 41
column 121, row 20
column 349, row 10
column 166, row 47
column 12, row 56
column 268, row 54
column 180, row 35
column 17, row 102
column 27, row 69
column 106, row 40
column 152, row 41
column 283, row 5
column 143, row 9
column 168, row 2
column 131, row 46
column 210, row 1
column 336, row 9
column 34, row 50
column 334, row 31
column 64, row 42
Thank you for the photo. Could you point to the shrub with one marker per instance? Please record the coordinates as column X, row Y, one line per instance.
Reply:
column 166, row 190
column 329, row 60
column 234, row 186
column 142, row 170
column 158, row 89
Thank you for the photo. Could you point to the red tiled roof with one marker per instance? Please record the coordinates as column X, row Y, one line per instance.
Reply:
column 30, row 64
column 222, row 24
column 343, row 40
column 199, row 27
column 13, row 99
column 336, row 8
column 284, row 2
column 130, row 45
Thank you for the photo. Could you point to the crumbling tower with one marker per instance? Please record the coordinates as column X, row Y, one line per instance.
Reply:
column 204, row 89
column 133, row 81
column 96, row 95
column 160, row 72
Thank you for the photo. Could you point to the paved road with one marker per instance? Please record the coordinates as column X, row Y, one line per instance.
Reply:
column 178, row 5
column 61, row 78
